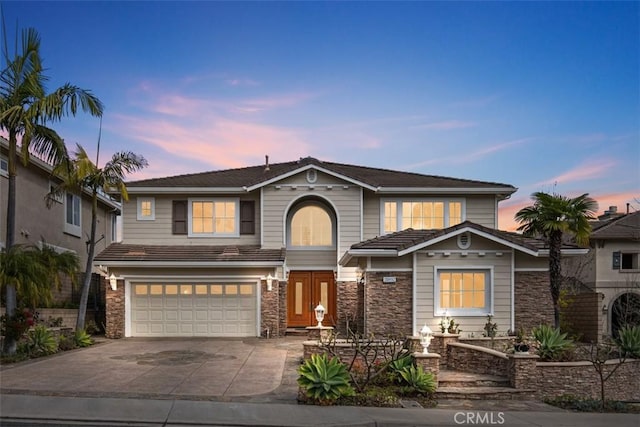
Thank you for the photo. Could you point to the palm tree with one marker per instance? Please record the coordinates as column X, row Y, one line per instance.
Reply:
column 81, row 174
column 32, row 271
column 550, row 217
column 25, row 111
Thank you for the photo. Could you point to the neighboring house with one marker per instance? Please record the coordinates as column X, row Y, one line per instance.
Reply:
column 611, row 269
column 64, row 226
column 252, row 251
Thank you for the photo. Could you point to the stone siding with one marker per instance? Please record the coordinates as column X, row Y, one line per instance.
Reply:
column 533, row 305
column 271, row 309
column 389, row 306
column 114, row 327
column 475, row 359
column 582, row 316
column 346, row 351
column 350, row 306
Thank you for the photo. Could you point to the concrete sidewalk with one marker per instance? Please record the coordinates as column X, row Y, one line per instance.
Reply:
column 52, row 410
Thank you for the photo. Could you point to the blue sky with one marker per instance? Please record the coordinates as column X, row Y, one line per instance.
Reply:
column 541, row 95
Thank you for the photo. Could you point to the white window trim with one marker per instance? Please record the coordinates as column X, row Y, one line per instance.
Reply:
column 334, row 228
column 72, row 229
column 3, row 172
column 462, row 312
column 214, row 200
column 400, row 200
column 59, row 198
column 140, row 216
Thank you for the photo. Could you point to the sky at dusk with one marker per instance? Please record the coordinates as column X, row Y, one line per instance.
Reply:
column 544, row 96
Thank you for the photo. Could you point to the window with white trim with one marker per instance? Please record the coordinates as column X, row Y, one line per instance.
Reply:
column 420, row 214
column 213, row 217
column 311, row 226
column 73, row 214
column 4, row 166
column 146, row 208
column 463, row 292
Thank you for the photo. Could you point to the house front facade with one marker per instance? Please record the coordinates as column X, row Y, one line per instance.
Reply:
column 252, row 251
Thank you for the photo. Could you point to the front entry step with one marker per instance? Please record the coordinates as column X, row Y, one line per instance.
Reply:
column 469, row 386
column 296, row 332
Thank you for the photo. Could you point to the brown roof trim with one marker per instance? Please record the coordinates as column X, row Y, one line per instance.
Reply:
column 119, row 253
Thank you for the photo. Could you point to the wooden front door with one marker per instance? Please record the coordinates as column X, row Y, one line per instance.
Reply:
column 305, row 289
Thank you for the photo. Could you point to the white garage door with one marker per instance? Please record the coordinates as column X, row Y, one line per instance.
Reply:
column 193, row 309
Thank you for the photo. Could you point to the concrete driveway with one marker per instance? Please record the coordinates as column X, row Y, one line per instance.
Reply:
column 203, row 369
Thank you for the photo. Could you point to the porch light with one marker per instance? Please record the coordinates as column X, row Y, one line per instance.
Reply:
column 320, row 310
column 113, row 282
column 426, row 334
column 269, row 280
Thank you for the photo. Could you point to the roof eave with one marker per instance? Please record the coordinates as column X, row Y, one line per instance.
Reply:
column 504, row 192
column 192, row 264
column 187, row 190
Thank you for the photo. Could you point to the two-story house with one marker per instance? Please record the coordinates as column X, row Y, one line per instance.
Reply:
column 65, row 225
column 611, row 269
column 252, row 251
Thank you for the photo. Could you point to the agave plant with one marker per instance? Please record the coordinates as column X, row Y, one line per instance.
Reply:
column 323, row 379
column 82, row 338
column 398, row 365
column 41, row 342
column 628, row 341
column 416, row 379
column 552, row 343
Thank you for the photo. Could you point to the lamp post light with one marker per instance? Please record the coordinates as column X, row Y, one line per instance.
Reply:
column 320, row 310
column 269, row 280
column 426, row 334
column 113, row 282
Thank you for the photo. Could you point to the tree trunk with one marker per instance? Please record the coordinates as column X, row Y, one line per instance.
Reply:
column 10, row 344
column 555, row 273
column 86, row 282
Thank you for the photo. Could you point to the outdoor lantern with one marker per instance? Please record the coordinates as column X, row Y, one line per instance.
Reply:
column 270, row 282
column 113, row 282
column 426, row 334
column 319, row 314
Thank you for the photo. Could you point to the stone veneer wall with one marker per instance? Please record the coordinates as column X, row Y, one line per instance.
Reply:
column 350, row 306
column 533, row 305
column 580, row 379
column 389, row 306
column 114, row 327
column 582, row 316
column 271, row 308
column 346, row 351
column 475, row 359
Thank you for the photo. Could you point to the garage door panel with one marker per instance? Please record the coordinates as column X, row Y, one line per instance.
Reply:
column 199, row 309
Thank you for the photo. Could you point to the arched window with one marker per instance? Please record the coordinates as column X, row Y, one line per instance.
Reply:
column 311, row 226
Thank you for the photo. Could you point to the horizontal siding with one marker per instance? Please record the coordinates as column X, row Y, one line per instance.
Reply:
column 159, row 231
column 481, row 210
column 346, row 202
column 391, row 263
column 501, row 291
column 312, row 260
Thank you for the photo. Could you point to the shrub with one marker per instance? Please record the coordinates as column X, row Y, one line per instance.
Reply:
column 66, row 343
column 417, row 380
column 82, row 339
column 41, row 342
column 490, row 328
column 14, row 327
column 552, row 344
column 628, row 341
column 324, row 380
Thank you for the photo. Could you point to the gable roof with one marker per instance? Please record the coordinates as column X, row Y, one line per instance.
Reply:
column 626, row 227
column 125, row 255
column 406, row 241
column 375, row 179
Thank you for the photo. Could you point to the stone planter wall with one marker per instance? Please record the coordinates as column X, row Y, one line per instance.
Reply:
column 502, row 344
column 581, row 379
column 476, row 359
column 345, row 351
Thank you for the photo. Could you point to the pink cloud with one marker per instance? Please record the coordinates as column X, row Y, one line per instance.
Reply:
column 591, row 169
column 508, row 208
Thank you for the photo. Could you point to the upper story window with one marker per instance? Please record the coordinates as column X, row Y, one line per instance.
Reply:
column 73, row 214
column 463, row 292
column 213, row 217
column 146, row 209
column 4, row 167
column 420, row 214
column 311, row 226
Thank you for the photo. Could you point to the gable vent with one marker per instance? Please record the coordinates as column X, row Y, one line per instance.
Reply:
column 464, row 240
